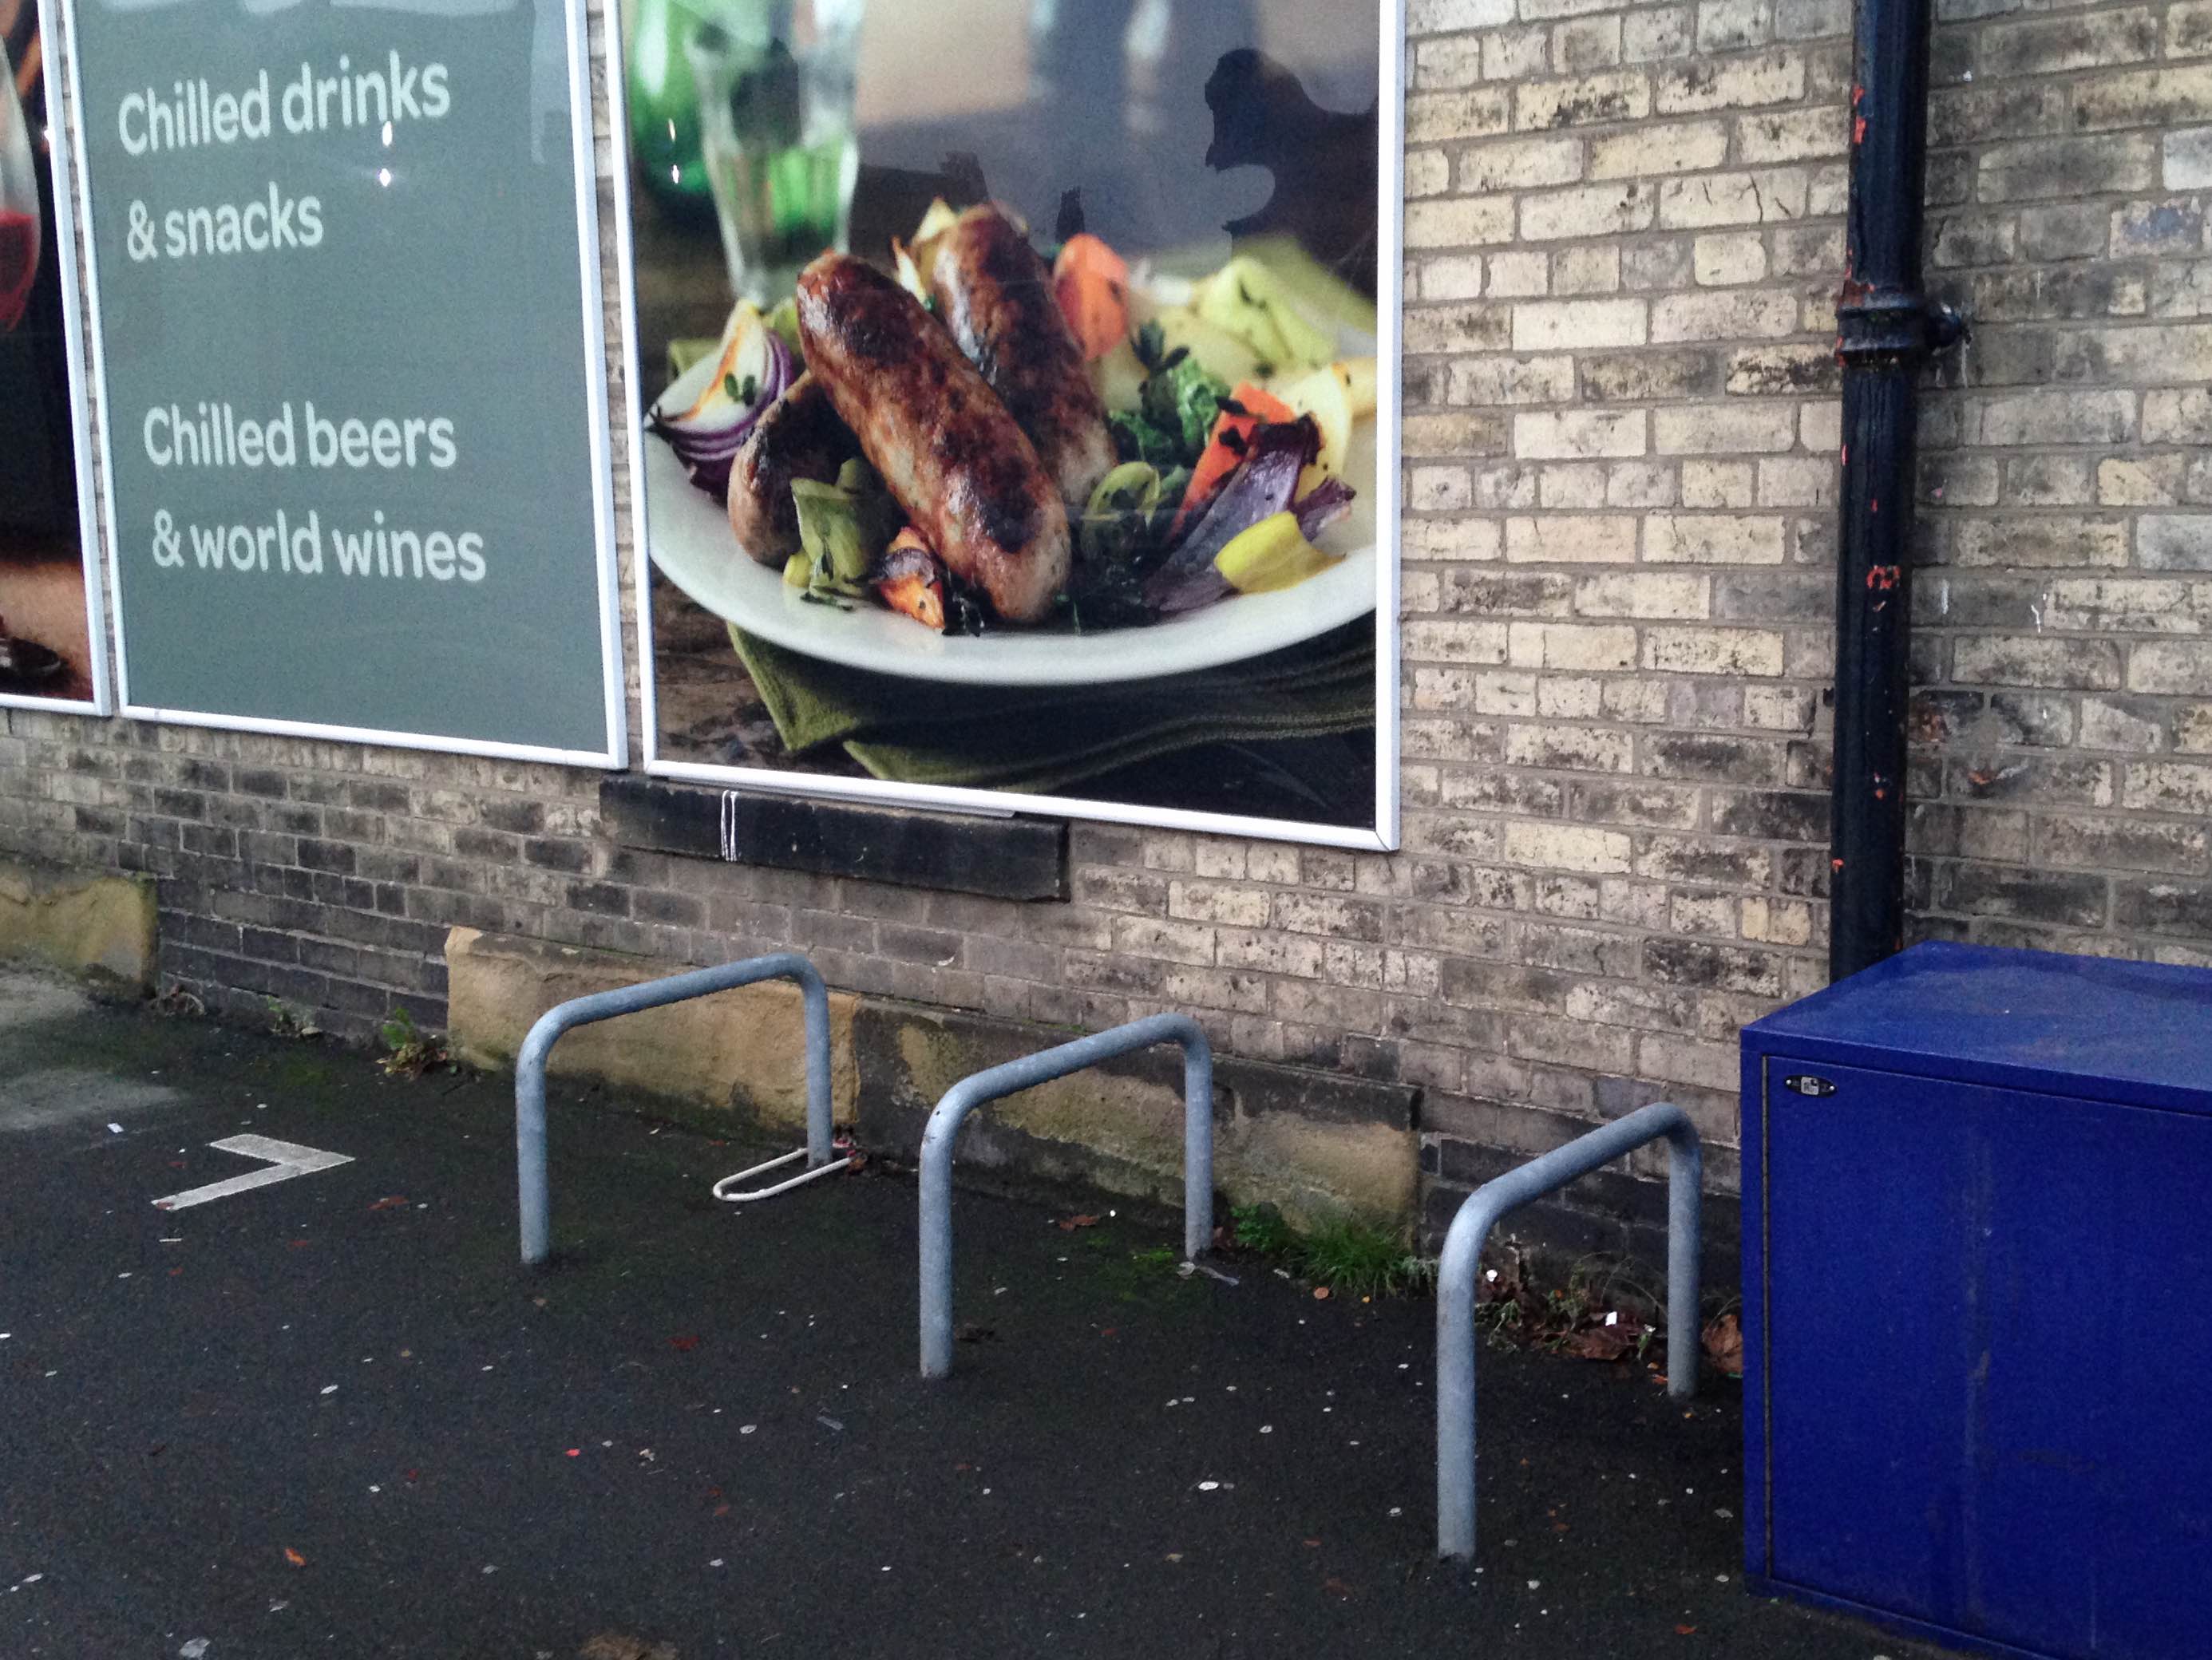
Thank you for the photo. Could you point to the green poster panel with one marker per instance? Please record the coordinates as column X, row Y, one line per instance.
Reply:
column 348, row 336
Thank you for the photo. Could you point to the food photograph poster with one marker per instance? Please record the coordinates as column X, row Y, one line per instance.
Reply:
column 1017, row 403
column 51, row 653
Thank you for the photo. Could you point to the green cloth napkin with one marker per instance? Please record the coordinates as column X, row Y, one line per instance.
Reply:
column 1040, row 739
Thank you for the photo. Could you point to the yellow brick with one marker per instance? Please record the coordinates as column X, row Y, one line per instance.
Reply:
column 1460, row 222
column 1452, row 538
column 1713, row 651
column 1731, row 428
column 1455, row 642
column 1544, row 435
column 1566, row 847
column 1699, row 539
column 1645, row 594
column 1577, row 324
column 1570, row 646
column 1774, row 77
column 1611, row 95
column 1646, row 151
column 1513, row 164
column 1758, row 314
column 1587, row 210
column 1572, row 539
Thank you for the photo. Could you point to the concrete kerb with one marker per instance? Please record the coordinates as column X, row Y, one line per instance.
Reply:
column 93, row 923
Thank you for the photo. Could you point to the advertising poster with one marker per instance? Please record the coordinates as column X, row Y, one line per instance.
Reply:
column 1018, row 402
column 51, row 651
column 346, row 315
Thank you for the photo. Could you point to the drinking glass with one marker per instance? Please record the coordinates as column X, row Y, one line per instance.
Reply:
column 777, row 82
column 20, row 212
column 664, row 105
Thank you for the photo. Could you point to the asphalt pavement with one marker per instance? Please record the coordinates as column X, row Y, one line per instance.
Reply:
column 333, row 1416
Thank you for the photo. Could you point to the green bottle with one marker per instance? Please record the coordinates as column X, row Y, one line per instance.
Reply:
column 663, row 103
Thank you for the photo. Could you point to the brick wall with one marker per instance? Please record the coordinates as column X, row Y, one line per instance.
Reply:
column 1623, row 239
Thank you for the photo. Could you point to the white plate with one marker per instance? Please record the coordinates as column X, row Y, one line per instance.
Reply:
column 692, row 543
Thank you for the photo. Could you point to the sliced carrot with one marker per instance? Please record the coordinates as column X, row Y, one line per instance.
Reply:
column 1091, row 282
column 914, row 587
column 1224, row 455
column 915, row 596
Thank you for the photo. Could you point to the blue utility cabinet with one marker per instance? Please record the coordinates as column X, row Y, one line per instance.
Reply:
column 1977, row 1301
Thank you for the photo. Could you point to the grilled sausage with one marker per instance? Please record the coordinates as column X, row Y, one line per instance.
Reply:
column 945, row 446
column 798, row 436
column 996, row 296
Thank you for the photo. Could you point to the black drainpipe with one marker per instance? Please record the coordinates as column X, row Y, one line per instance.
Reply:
column 1886, row 330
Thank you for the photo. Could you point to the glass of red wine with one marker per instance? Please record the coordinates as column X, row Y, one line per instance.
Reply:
column 19, row 203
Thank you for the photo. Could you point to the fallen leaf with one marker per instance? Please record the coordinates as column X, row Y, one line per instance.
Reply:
column 684, row 1344
column 1336, row 1586
column 1604, row 1343
column 1074, row 1223
column 390, row 1202
column 1686, row 1631
column 613, row 1645
column 294, row 1557
column 1723, row 1342
column 1321, row 1293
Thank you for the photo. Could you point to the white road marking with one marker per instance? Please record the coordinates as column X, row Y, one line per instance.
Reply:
column 285, row 1161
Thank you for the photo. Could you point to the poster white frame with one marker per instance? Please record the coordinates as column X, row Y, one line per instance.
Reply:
column 61, row 158
column 615, row 754
column 1384, row 835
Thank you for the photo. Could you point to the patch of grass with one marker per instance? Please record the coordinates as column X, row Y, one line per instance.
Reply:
column 409, row 1051
column 1146, row 1278
column 290, row 1021
column 1354, row 1260
column 1500, row 1318
column 301, row 1072
column 1260, row 1229
column 1349, row 1256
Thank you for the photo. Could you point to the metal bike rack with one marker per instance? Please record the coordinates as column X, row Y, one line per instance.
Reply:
column 534, row 1199
column 998, row 1081
column 1463, row 1257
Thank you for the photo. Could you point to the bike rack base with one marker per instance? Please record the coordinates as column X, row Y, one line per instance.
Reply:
column 753, row 1195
